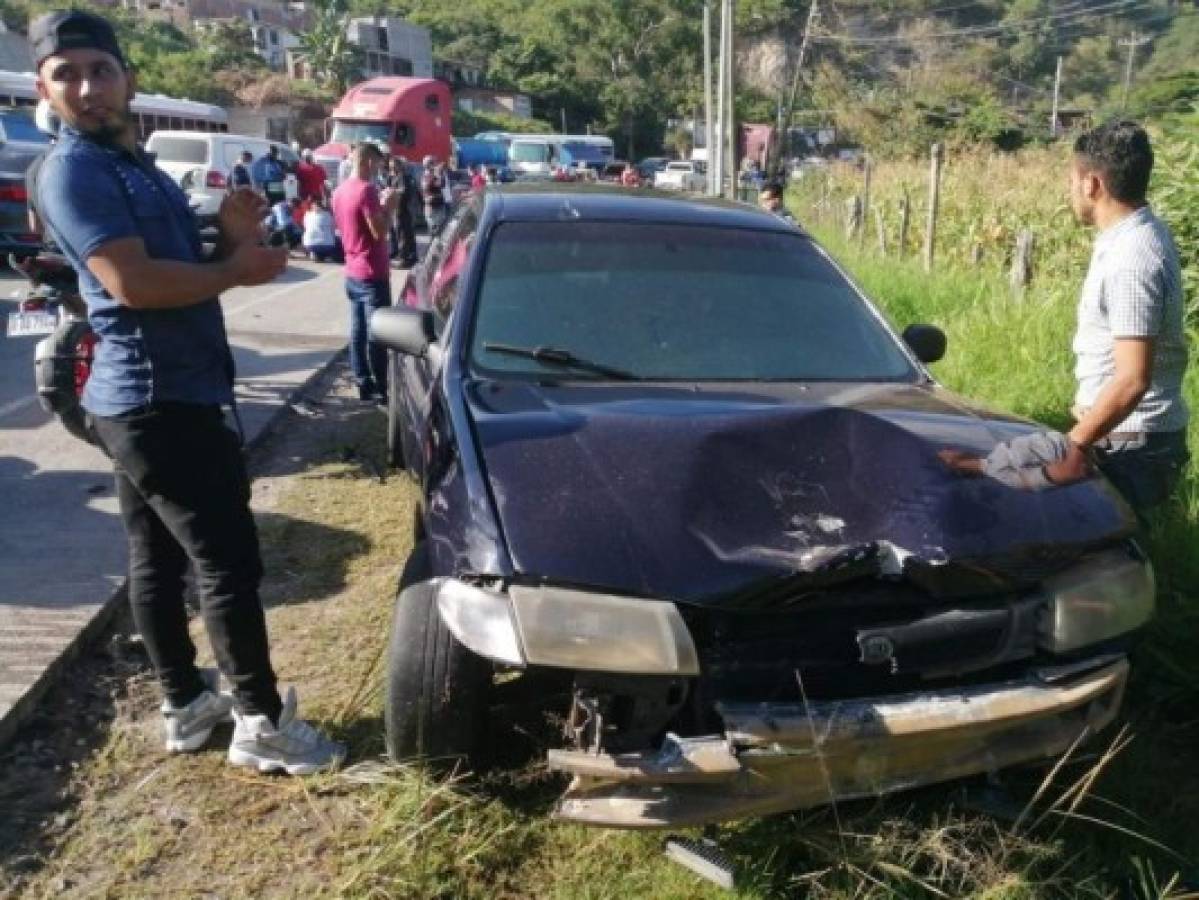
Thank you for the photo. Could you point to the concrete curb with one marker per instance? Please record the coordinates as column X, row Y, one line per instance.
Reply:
column 23, row 708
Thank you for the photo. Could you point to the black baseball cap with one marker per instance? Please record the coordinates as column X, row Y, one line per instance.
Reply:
column 72, row 29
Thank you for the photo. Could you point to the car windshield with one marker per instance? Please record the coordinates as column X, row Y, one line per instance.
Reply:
column 528, row 153
column 675, row 302
column 357, row 132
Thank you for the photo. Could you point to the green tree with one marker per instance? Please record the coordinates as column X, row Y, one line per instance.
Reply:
column 229, row 44
column 326, row 48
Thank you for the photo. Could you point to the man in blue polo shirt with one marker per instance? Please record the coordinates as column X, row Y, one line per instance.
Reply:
column 268, row 174
column 162, row 373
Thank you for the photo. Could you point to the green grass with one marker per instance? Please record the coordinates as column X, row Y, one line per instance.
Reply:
column 1012, row 353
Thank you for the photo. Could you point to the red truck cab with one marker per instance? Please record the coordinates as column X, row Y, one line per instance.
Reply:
column 410, row 116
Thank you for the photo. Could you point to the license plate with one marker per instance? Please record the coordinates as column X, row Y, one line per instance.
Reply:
column 24, row 324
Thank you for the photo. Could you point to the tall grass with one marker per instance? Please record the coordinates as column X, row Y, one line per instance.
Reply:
column 1012, row 352
column 987, row 198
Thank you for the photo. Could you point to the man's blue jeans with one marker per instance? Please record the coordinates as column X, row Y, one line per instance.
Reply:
column 1146, row 467
column 367, row 361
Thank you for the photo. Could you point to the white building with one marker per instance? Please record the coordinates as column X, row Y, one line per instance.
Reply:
column 393, row 46
column 273, row 24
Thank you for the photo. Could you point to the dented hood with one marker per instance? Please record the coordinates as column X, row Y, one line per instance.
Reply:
column 756, row 496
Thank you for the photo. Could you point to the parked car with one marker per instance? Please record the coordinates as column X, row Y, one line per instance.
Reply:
column 650, row 166
column 726, row 524
column 682, row 175
column 200, row 162
column 20, row 144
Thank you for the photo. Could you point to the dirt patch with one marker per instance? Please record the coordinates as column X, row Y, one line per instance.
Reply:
column 91, row 804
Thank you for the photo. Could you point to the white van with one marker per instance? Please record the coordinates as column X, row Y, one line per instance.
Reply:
column 200, row 163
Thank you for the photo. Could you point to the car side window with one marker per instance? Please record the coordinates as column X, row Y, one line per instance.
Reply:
column 443, row 283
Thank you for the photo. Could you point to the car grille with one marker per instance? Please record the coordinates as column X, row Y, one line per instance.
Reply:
column 862, row 639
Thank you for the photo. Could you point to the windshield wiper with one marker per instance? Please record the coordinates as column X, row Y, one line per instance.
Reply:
column 556, row 356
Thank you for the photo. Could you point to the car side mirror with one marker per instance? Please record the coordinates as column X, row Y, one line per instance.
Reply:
column 403, row 329
column 926, row 341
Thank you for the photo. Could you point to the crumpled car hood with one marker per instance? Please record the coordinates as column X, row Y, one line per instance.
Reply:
column 746, row 496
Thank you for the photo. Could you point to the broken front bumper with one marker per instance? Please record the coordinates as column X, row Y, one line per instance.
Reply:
column 778, row 757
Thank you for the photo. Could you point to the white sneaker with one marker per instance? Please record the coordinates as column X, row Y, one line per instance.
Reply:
column 188, row 728
column 294, row 747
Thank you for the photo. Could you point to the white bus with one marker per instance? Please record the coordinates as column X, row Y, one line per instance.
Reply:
column 153, row 111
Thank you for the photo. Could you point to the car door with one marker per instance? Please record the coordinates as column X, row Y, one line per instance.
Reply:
column 436, row 283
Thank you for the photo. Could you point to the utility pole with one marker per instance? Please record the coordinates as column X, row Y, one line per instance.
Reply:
column 718, row 138
column 726, row 166
column 1131, row 42
column 708, row 130
column 563, row 111
column 730, row 122
column 813, row 12
column 1057, row 89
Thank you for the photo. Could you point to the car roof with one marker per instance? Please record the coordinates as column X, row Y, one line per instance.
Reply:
column 206, row 135
column 216, row 136
column 545, row 202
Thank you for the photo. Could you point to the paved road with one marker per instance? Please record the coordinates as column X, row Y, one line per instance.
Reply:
column 62, row 552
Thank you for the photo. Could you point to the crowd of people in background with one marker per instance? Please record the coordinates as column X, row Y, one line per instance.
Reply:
column 299, row 198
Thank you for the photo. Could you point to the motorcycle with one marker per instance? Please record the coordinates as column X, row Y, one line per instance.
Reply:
column 62, row 361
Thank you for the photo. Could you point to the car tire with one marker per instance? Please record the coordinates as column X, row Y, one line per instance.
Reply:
column 437, row 692
column 57, row 379
column 395, row 443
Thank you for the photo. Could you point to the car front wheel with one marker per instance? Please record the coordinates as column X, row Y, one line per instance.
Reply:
column 437, row 692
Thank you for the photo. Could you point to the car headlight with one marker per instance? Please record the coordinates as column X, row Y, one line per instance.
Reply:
column 481, row 620
column 585, row 630
column 551, row 626
column 1109, row 594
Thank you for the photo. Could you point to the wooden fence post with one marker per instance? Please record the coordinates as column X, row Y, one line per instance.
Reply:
column 869, row 167
column 934, row 199
column 976, row 253
column 905, row 209
column 882, row 230
column 853, row 217
column 1021, row 274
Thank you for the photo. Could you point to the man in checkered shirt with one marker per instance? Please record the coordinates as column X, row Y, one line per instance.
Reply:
column 1130, row 344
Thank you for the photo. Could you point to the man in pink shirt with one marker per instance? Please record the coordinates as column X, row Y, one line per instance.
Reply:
column 363, row 217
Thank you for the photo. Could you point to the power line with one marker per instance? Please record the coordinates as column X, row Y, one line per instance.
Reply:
column 1157, row 17
column 1106, row 10
column 1063, row 18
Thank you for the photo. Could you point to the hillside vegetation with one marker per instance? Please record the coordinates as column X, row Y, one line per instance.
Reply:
column 890, row 74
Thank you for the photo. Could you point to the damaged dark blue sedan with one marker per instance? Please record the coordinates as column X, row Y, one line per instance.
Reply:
column 669, row 452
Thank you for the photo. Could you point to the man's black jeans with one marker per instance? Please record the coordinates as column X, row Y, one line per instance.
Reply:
column 184, row 495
